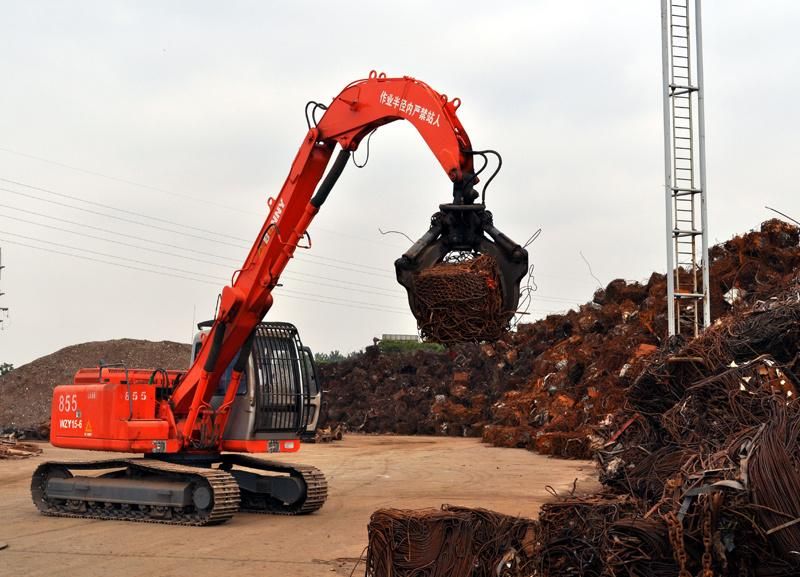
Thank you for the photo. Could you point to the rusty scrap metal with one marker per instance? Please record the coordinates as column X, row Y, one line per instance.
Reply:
column 460, row 302
column 502, row 545
column 455, row 541
column 13, row 449
column 428, row 542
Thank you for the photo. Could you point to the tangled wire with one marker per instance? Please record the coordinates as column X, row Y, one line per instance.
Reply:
column 453, row 542
column 461, row 302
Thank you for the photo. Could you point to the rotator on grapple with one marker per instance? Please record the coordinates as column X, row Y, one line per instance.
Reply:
column 247, row 390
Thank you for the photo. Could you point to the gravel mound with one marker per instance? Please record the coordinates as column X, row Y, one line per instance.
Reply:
column 26, row 391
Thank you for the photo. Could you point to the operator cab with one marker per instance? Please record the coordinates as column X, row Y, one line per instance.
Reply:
column 279, row 395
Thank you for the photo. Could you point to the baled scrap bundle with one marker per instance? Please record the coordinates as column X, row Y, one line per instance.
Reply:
column 423, row 543
column 574, row 534
column 638, row 547
column 461, row 302
column 452, row 542
column 502, row 545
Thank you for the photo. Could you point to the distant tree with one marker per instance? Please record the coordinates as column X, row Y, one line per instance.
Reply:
column 331, row 357
column 6, row 368
column 334, row 356
column 409, row 347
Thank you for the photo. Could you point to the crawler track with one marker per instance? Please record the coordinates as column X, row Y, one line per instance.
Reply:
column 227, row 496
column 316, row 486
column 223, row 488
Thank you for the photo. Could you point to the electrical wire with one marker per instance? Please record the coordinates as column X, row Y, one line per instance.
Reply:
column 119, row 242
column 122, row 210
column 123, row 180
column 119, row 218
column 117, row 233
column 189, row 235
column 107, row 255
column 288, row 275
column 171, row 193
column 284, row 293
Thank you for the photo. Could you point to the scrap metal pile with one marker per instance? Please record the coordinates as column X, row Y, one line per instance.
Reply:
column 451, row 542
column 700, row 458
column 702, row 474
column 556, row 385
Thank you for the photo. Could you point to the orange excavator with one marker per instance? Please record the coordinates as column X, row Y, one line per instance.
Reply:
column 195, row 468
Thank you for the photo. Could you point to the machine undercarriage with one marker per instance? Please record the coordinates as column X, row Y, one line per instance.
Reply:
column 208, row 492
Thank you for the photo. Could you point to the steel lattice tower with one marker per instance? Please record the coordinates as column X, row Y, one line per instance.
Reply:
column 685, row 167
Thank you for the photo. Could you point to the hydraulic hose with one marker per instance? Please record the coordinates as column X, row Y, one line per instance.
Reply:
column 330, row 179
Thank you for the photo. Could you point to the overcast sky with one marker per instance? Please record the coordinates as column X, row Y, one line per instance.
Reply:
column 188, row 114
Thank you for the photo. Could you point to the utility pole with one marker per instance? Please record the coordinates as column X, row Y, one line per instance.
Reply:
column 688, row 297
column 3, row 310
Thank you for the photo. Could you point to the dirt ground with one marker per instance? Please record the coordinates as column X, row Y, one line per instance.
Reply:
column 364, row 473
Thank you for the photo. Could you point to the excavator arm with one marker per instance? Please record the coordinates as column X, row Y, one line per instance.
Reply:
column 360, row 108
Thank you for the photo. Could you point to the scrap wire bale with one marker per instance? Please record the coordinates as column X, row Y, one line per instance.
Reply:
column 714, row 532
column 640, row 548
column 461, row 302
column 774, row 479
column 647, row 473
column 502, row 545
column 771, row 327
column 718, row 408
column 574, row 533
column 423, row 543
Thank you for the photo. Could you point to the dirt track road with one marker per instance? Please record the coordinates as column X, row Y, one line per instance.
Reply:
column 364, row 474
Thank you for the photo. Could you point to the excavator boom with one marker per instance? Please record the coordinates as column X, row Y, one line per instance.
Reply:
column 359, row 109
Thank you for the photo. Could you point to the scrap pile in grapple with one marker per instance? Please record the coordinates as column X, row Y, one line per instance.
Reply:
column 459, row 302
column 556, row 385
column 451, row 542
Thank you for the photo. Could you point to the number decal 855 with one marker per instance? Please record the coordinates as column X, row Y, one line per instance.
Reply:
column 67, row 403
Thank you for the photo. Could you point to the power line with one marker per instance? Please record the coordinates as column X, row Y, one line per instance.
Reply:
column 105, row 262
column 119, row 242
column 186, row 234
column 290, row 276
column 173, row 193
column 156, row 265
column 122, row 219
column 124, row 180
column 117, row 233
column 3, row 310
column 283, row 292
column 301, row 257
column 122, row 210
column 104, row 254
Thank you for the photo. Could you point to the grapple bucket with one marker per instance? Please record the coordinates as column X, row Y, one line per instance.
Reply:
column 463, row 276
